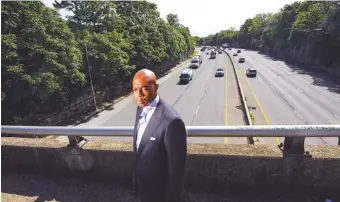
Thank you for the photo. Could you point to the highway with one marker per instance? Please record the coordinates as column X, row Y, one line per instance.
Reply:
column 283, row 94
column 279, row 95
column 205, row 101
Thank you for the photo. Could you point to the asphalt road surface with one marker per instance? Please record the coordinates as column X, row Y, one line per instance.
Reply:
column 201, row 102
column 283, row 94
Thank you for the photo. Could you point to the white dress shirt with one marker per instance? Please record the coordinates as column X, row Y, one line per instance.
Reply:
column 145, row 118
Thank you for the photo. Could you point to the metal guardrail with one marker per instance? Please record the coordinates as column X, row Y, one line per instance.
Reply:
column 293, row 143
column 193, row 131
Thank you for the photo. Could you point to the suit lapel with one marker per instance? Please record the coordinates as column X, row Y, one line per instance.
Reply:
column 152, row 126
column 138, row 113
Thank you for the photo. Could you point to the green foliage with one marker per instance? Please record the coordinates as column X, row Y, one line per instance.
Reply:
column 43, row 56
column 285, row 34
column 40, row 60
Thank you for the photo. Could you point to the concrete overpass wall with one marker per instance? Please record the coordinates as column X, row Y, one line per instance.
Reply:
column 210, row 166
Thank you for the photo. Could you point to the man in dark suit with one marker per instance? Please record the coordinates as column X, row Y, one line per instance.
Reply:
column 160, row 144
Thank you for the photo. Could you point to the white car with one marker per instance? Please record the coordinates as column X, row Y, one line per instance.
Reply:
column 195, row 63
column 194, row 59
column 219, row 72
column 186, row 76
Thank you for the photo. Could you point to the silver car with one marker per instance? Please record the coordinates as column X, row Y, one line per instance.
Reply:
column 219, row 72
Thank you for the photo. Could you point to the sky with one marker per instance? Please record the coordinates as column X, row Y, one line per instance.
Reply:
column 211, row 16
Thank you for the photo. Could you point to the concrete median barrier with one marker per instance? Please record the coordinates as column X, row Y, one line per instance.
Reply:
column 210, row 166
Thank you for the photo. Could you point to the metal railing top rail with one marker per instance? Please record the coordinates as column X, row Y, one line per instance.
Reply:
column 193, row 131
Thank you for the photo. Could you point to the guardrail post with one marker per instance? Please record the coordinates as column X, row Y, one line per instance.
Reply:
column 295, row 158
column 294, row 145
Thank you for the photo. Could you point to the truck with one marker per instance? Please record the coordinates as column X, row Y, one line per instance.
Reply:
column 213, row 55
column 196, row 61
column 199, row 56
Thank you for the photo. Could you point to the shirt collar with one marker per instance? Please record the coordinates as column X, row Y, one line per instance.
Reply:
column 152, row 104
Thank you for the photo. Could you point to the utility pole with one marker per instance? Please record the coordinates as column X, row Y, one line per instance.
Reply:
column 88, row 66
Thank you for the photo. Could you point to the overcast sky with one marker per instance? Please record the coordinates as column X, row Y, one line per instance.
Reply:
column 204, row 17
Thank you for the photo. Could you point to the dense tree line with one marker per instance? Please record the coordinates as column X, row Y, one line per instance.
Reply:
column 43, row 61
column 305, row 32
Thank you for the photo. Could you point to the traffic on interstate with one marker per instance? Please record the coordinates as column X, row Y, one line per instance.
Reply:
column 197, row 95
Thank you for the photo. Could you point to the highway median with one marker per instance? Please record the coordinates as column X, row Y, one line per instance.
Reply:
column 244, row 107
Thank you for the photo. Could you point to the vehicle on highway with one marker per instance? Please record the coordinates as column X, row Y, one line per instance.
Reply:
column 207, row 53
column 213, row 55
column 234, row 54
column 198, row 55
column 186, row 76
column 219, row 52
column 251, row 72
column 194, row 63
column 241, row 59
column 238, row 51
column 219, row 72
column 229, row 48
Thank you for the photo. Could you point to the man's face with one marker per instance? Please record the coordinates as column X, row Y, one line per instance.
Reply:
column 144, row 91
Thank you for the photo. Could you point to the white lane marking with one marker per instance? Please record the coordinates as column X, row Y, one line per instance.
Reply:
column 197, row 109
column 336, row 116
column 299, row 89
column 299, row 115
column 273, row 88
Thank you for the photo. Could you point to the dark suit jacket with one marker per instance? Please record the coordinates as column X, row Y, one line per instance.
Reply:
column 160, row 166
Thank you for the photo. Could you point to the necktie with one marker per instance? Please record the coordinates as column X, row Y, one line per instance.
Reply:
column 144, row 114
column 142, row 120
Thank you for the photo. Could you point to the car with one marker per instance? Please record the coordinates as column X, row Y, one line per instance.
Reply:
column 186, row 76
column 213, row 55
column 239, row 51
column 219, row 52
column 194, row 64
column 219, row 72
column 207, row 53
column 251, row 72
column 229, row 48
column 241, row 59
column 234, row 54
column 195, row 59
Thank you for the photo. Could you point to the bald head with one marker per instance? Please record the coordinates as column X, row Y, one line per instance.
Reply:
column 144, row 86
column 146, row 74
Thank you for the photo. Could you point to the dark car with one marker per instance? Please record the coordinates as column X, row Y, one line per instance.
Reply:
column 251, row 72
column 238, row 51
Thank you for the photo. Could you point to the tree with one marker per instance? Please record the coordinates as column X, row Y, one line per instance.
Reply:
column 43, row 59
column 173, row 20
column 40, row 61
